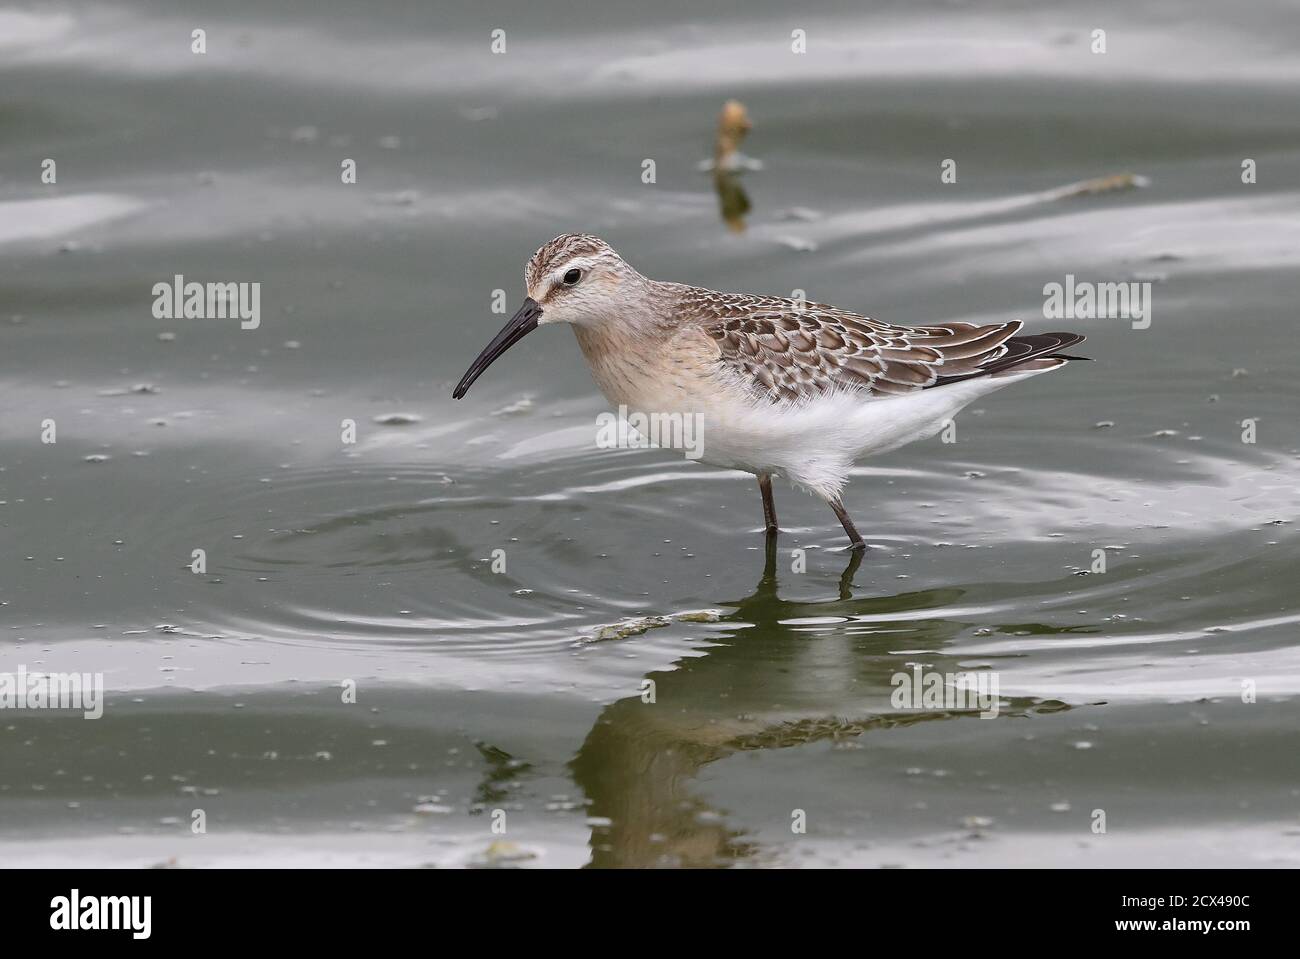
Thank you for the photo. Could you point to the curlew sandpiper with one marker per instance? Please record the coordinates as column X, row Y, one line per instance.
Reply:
column 780, row 387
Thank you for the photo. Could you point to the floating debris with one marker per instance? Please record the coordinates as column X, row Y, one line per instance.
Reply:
column 503, row 852
column 429, row 808
column 398, row 419
column 1102, row 184
column 147, row 389
column 700, row 616
column 733, row 126
column 625, row 629
column 517, row 408
column 397, row 198
column 728, row 163
column 797, row 244
column 799, row 214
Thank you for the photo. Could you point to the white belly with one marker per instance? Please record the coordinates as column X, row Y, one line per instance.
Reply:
column 816, row 444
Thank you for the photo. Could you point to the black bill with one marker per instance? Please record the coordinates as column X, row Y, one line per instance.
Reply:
column 520, row 325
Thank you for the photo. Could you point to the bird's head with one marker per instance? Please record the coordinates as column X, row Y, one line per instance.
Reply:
column 575, row 278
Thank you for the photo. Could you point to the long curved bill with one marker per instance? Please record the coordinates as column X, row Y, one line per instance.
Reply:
column 520, row 325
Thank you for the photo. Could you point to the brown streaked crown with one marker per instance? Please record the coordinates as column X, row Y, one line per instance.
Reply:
column 563, row 248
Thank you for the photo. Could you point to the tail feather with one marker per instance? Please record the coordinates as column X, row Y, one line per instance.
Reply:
column 1020, row 352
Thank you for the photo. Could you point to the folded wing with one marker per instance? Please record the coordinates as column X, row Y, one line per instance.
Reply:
column 786, row 351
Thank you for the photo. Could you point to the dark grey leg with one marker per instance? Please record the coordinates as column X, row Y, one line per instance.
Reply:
column 855, row 541
column 769, row 508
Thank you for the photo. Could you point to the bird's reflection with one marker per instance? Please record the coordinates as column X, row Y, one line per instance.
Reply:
column 775, row 680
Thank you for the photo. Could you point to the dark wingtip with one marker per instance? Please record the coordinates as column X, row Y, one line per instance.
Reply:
column 1067, row 339
column 1032, row 346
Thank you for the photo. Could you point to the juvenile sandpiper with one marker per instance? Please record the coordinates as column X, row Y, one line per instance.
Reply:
column 778, row 386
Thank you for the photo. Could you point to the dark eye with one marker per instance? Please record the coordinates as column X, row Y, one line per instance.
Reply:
column 572, row 277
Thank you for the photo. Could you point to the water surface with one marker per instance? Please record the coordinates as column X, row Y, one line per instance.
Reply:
column 370, row 563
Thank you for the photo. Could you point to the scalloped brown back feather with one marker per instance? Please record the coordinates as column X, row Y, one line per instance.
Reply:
column 792, row 352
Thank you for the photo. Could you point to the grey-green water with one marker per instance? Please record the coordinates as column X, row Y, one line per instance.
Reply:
column 370, row 563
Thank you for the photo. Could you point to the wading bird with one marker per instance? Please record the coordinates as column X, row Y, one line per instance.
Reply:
column 778, row 386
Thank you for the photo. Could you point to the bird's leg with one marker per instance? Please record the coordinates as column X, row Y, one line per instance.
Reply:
column 855, row 541
column 769, row 508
